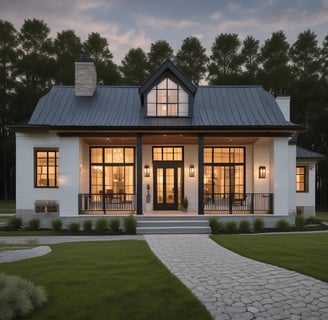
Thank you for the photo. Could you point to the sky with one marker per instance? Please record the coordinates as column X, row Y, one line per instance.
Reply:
column 128, row 24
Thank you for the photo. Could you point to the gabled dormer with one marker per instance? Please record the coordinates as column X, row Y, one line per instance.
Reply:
column 167, row 93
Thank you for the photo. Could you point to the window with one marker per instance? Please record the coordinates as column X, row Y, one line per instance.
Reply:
column 112, row 170
column 224, row 172
column 167, row 99
column 46, row 168
column 167, row 153
column 301, row 179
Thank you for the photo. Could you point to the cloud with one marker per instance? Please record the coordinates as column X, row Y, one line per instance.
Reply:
column 216, row 15
column 160, row 23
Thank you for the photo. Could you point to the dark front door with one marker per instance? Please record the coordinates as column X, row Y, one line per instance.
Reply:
column 167, row 185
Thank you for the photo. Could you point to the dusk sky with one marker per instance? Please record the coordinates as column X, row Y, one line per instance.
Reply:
column 137, row 23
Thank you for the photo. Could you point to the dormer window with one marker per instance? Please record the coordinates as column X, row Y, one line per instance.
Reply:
column 167, row 99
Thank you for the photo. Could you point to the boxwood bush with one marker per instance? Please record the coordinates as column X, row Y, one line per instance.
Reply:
column 34, row 224
column 56, row 224
column 74, row 226
column 244, row 226
column 101, row 225
column 231, row 226
column 299, row 221
column 15, row 223
column 87, row 225
column 114, row 225
column 130, row 224
column 282, row 225
column 258, row 225
column 216, row 225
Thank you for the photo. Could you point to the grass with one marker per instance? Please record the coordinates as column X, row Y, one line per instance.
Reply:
column 107, row 280
column 323, row 216
column 7, row 206
column 304, row 253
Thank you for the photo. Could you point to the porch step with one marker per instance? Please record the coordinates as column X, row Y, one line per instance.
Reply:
column 177, row 225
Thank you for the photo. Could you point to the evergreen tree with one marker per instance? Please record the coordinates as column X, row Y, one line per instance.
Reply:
column 67, row 49
column 159, row 52
column 192, row 60
column 250, row 54
column 226, row 61
column 97, row 47
column 134, row 67
column 276, row 74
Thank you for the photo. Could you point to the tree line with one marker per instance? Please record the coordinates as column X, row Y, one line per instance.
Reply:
column 31, row 62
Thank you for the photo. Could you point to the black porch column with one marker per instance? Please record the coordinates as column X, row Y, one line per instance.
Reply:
column 200, row 174
column 139, row 173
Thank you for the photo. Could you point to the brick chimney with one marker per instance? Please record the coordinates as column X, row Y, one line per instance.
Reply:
column 85, row 76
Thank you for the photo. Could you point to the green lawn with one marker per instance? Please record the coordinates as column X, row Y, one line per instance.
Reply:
column 305, row 253
column 323, row 216
column 107, row 280
column 7, row 206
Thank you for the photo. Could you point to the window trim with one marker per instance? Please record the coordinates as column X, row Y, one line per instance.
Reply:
column 305, row 188
column 167, row 102
column 112, row 164
column 56, row 166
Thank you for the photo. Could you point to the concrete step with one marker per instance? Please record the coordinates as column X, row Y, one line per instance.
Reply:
column 172, row 225
column 173, row 230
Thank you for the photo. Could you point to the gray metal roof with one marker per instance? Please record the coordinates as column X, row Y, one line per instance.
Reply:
column 302, row 153
column 217, row 107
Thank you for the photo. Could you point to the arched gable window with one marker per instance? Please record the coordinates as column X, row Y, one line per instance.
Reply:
column 167, row 99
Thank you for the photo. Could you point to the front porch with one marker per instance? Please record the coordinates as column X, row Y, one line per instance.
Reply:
column 218, row 203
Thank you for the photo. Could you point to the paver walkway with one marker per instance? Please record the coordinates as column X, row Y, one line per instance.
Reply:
column 237, row 288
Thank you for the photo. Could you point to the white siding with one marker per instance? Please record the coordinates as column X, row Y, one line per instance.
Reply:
column 26, row 194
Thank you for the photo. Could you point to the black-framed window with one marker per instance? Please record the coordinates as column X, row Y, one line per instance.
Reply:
column 224, row 172
column 112, row 170
column 167, row 99
column 167, row 153
column 46, row 162
column 302, row 179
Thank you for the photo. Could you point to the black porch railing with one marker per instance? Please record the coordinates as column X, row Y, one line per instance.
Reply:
column 107, row 203
column 239, row 202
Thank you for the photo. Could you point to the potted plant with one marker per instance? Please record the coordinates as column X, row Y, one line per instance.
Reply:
column 184, row 204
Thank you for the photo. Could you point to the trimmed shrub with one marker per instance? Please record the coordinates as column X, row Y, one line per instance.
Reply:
column 74, row 226
column 56, row 224
column 258, row 225
column 114, row 225
column 130, row 224
column 231, row 226
column 299, row 221
column 15, row 223
column 18, row 297
column 34, row 224
column 282, row 225
column 312, row 220
column 244, row 226
column 216, row 225
column 101, row 225
column 87, row 225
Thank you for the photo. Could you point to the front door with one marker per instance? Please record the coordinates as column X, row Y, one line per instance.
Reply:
column 167, row 185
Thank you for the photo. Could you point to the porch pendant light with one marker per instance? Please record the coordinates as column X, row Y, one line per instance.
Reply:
column 262, row 172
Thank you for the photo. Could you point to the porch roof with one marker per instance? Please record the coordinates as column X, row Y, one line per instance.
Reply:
column 304, row 154
column 118, row 107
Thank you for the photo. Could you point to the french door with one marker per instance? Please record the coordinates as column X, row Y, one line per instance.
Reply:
column 168, row 186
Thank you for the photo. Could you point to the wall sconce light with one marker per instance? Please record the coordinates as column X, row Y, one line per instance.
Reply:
column 146, row 171
column 191, row 171
column 262, row 172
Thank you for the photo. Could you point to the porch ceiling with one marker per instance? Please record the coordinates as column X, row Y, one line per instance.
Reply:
column 170, row 139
